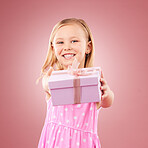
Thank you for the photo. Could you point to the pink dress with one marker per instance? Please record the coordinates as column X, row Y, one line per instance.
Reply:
column 70, row 126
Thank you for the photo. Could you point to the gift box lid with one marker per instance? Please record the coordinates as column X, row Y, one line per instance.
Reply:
column 61, row 79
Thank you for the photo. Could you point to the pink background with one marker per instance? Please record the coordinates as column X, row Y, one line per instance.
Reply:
column 120, row 29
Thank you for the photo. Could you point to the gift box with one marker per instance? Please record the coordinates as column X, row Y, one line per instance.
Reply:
column 75, row 89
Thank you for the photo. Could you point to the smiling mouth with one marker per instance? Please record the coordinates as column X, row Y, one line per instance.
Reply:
column 68, row 55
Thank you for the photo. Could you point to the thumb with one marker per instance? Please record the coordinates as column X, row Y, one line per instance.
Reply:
column 102, row 75
column 50, row 71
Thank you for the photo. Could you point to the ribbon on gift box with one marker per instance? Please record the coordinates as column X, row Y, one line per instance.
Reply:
column 77, row 91
column 73, row 70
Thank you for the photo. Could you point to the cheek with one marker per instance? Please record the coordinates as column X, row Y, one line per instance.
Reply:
column 81, row 55
column 82, row 49
column 58, row 50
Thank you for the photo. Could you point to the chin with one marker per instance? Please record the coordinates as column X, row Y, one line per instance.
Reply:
column 67, row 64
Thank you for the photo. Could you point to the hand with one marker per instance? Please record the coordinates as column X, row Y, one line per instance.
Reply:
column 107, row 95
column 45, row 82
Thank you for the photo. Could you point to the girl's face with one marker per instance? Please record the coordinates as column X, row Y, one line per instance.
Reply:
column 70, row 42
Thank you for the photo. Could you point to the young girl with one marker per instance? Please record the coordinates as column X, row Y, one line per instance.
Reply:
column 71, row 126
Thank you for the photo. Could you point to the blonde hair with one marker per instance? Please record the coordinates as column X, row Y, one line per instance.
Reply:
column 51, row 59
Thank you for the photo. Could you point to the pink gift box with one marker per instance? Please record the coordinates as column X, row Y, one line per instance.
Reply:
column 71, row 89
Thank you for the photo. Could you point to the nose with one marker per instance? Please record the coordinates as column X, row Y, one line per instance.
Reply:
column 67, row 47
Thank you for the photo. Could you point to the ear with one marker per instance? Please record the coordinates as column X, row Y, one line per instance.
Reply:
column 52, row 48
column 89, row 47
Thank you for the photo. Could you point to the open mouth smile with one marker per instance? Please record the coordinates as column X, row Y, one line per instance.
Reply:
column 68, row 55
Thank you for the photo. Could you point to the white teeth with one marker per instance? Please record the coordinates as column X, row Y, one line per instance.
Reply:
column 68, row 55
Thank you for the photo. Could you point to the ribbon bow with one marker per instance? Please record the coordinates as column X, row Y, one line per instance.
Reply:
column 73, row 69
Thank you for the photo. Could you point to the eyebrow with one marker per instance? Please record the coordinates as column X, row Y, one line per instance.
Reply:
column 70, row 38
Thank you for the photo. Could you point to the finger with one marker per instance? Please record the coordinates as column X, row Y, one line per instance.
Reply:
column 103, row 81
column 50, row 71
column 104, row 96
column 103, row 88
column 102, row 75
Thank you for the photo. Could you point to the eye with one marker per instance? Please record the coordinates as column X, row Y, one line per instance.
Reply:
column 73, row 41
column 60, row 42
